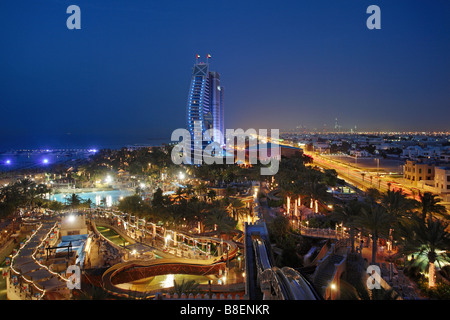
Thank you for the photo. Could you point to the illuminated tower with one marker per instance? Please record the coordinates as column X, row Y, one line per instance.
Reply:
column 205, row 104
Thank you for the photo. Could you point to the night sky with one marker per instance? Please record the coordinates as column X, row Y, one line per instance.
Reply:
column 124, row 77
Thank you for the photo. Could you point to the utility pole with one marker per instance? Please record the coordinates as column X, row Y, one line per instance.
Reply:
column 378, row 172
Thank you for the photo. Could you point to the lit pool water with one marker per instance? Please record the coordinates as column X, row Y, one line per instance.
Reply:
column 165, row 281
column 109, row 198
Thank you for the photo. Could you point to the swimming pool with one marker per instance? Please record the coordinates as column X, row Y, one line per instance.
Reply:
column 110, row 197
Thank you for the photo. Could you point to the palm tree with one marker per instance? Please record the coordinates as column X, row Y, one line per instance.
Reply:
column 74, row 200
column 88, row 203
column 25, row 184
column 219, row 221
column 372, row 195
column 211, row 195
column 189, row 190
column 330, row 177
column 159, row 199
column 179, row 194
column 196, row 211
column 429, row 241
column 132, row 204
column 201, row 189
column 347, row 214
column 397, row 204
column 11, row 195
column 103, row 202
column 138, row 190
column 26, row 189
column 36, row 192
column 174, row 215
column 187, row 287
column 429, row 205
column 376, row 220
column 315, row 191
column 236, row 208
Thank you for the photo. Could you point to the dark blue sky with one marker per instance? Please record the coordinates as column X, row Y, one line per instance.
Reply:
column 124, row 77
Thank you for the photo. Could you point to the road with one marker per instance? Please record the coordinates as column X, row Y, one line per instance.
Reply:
column 354, row 176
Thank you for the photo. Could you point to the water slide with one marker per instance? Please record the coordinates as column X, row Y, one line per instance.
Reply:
column 291, row 284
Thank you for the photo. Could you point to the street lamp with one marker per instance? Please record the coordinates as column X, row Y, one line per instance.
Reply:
column 378, row 172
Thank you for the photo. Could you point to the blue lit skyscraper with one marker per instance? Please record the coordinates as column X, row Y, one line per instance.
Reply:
column 205, row 105
column 216, row 93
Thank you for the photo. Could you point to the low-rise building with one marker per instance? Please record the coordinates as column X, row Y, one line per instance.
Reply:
column 73, row 224
column 445, row 157
column 360, row 153
column 322, row 147
column 415, row 171
column 416, row 152
column 442, row 182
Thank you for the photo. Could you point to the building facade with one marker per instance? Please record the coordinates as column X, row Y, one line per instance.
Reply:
column 205, row 105
column 415, row 171
column 442, row 182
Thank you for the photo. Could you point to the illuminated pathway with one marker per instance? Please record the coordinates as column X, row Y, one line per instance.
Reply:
column 28, row 277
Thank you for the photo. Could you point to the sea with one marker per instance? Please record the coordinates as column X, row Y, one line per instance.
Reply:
column 33, row 156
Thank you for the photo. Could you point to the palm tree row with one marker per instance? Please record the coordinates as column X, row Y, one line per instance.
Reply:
column 24, row 192
column 183, row 211
column 309, row 183
column 413, row 224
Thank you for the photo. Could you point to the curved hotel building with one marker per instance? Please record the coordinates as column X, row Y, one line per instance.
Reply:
column 205, row 106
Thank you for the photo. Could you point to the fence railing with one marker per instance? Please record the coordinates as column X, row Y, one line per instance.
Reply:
column 323, row 233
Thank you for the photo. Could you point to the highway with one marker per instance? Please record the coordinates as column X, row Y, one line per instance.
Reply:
column 353, row 176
